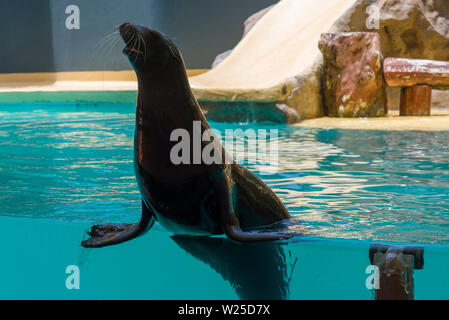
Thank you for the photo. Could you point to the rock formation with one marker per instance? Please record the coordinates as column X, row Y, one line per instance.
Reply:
column 352, row 80
column 256, row 69
column 416, row 29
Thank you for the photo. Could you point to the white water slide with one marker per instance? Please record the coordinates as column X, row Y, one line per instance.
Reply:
column 281, row 46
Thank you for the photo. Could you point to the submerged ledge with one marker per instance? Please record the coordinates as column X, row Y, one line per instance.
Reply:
column 438, row 121
column 68, row 91
column 69, row 96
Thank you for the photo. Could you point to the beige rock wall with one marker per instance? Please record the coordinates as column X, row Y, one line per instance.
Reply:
column 352, row 80
column 417, row 29
column 278, row 61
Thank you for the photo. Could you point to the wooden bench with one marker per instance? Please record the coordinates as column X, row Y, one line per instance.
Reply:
column 417, row 78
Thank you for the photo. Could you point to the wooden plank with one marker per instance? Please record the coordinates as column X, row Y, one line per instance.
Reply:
column 415, row 101
column 400, row 72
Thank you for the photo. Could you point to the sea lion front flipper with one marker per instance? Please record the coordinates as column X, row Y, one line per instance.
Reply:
column 229, row 221
column 110, row 234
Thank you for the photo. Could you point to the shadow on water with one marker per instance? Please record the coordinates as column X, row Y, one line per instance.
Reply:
column 255, row 270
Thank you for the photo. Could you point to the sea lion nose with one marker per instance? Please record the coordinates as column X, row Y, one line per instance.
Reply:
column 127, row 31
column 124, row 28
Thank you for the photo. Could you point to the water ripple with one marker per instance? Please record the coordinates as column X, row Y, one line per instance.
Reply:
column 74, row 163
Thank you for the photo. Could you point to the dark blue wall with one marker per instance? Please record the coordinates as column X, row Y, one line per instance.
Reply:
column 35, row 39
column 26, row 36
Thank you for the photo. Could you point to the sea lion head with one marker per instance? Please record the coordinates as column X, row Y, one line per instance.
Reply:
column 148, row 50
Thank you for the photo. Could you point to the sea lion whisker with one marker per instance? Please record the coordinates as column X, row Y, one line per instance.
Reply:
column 144, row 47
column 128, row 34
column 110, row 46
column 111, row 34
column 100, row 46
column 107, row 37
column 106, row 41
column 128, row 40
column 138, row 47
column 140, row 42
column 135, row 41
column 131, row 41
column 114, row 42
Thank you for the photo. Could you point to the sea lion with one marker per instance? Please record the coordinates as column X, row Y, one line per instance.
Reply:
column 235, row 262
column 186, row 199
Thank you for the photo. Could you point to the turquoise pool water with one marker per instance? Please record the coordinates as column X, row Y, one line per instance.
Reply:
column 74, row 163
column 65, row 166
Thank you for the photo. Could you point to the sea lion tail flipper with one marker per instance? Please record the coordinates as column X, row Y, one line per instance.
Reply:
column 229, row 221
column 110, row 234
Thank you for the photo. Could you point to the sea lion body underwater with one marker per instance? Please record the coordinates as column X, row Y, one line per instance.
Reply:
column 186, row 199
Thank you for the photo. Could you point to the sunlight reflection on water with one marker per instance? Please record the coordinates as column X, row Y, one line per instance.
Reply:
column 75, row 163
